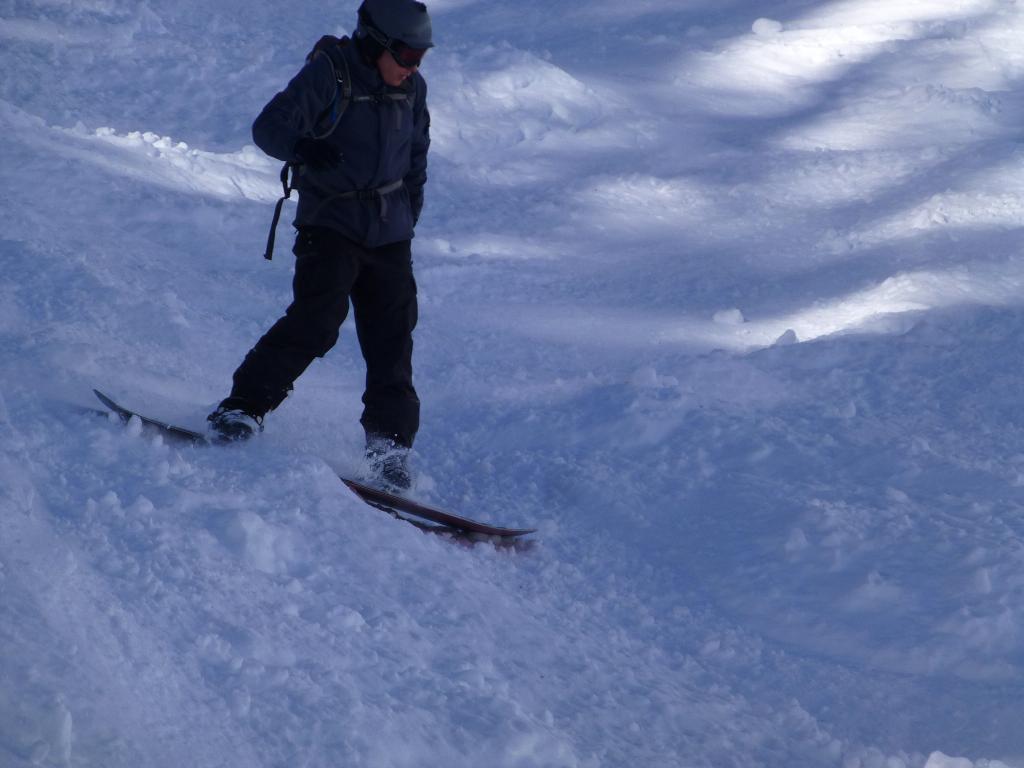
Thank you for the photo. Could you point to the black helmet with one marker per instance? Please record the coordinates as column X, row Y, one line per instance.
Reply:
column 405, row 21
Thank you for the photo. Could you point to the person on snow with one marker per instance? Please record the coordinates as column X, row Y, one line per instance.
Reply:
column 360, row 178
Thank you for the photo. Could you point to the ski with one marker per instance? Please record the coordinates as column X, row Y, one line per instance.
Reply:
column 424, row 517
column 390, row 502
column 178, row 433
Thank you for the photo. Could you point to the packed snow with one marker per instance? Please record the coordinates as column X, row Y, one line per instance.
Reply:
column 725, row 298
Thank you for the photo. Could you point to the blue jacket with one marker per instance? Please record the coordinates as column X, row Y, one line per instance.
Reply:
column 383, row 140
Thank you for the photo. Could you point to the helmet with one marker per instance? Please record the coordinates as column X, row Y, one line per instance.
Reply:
column 406, row 21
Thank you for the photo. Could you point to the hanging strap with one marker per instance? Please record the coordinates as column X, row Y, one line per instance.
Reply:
column 287, row 184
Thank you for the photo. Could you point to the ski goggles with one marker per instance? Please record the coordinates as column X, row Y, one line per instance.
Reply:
column 406, row 56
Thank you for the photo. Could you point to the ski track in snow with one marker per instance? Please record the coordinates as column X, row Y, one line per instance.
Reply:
column 722, row 297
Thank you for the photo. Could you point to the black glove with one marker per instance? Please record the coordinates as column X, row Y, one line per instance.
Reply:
column 318, row 154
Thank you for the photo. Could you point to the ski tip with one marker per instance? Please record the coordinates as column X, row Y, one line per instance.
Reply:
column 107, row 401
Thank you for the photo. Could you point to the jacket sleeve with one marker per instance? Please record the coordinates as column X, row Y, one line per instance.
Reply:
column 417, row 176
column 292, row 113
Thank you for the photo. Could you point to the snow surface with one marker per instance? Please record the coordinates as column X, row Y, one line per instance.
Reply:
column 725, row 297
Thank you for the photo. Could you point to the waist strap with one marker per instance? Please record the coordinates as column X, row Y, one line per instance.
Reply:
column 288, row 185
column 366, row 194
column 377, row 194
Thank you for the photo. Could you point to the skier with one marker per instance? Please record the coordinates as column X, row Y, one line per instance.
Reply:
column 360, row 177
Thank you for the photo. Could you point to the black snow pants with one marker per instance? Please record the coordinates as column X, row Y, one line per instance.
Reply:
column 329, row 270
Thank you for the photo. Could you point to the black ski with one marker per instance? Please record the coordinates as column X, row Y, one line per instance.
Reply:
column 178, row 433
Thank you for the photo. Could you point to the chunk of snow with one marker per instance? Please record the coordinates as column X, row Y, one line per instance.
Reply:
column 766, row 27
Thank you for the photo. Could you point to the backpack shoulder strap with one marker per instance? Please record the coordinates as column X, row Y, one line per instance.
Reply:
column 325, row 43
column 331, row 47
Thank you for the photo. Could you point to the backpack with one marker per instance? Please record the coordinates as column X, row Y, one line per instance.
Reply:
column 328, row 46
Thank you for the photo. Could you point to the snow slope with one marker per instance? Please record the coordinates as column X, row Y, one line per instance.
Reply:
column 724, row 297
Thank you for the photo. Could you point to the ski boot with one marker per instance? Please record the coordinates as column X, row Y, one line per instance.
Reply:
column 387, row 465
column 233, row 423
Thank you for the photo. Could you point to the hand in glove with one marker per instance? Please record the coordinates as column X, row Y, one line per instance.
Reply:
column 318, row 154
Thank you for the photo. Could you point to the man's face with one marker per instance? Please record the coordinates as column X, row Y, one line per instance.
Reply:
column 391, row 72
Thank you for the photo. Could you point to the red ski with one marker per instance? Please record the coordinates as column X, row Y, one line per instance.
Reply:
column 401, row 506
